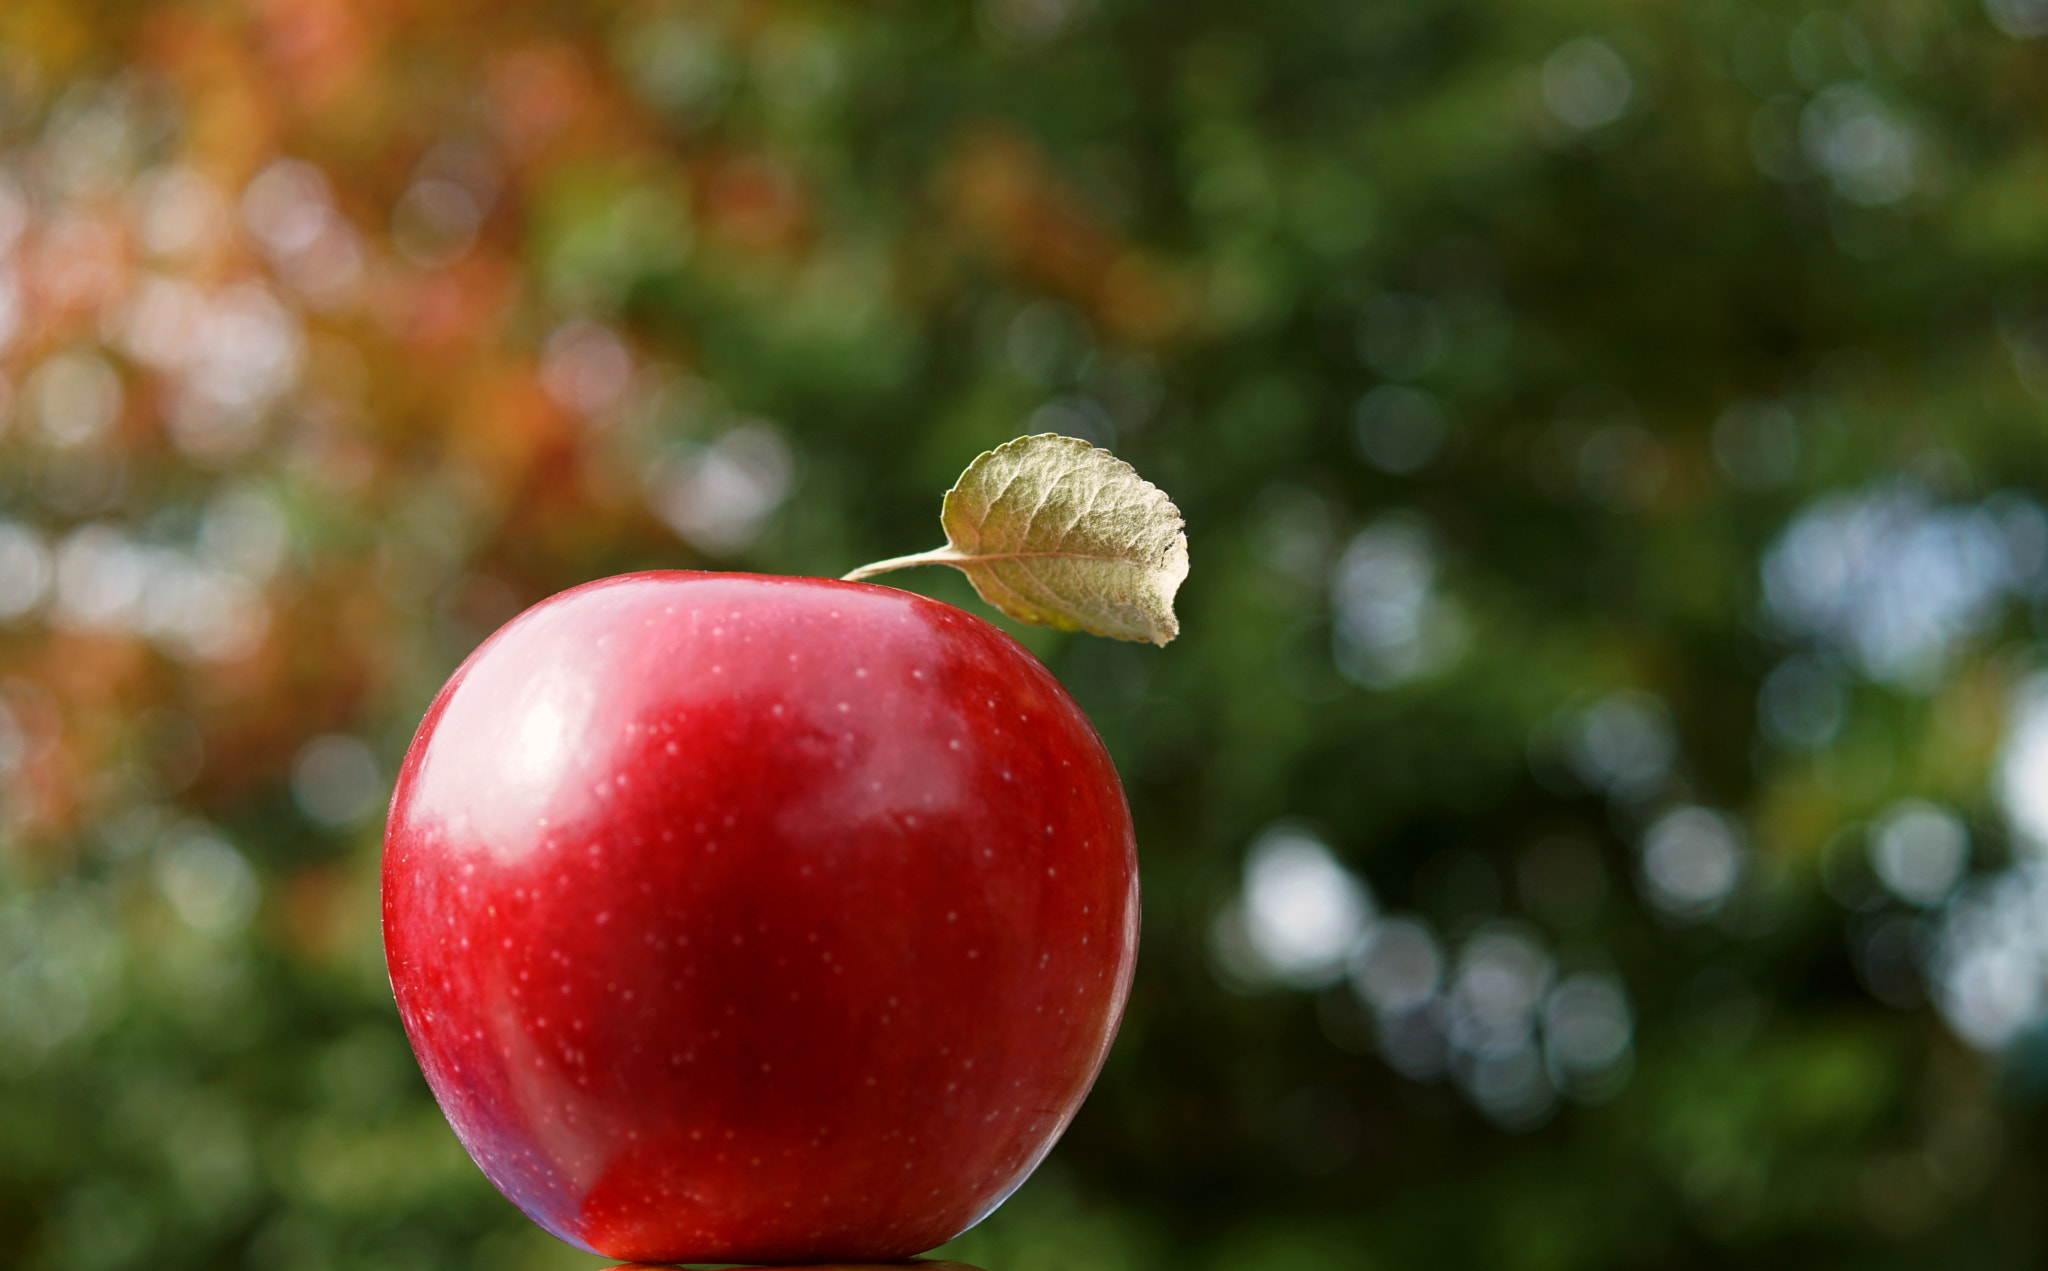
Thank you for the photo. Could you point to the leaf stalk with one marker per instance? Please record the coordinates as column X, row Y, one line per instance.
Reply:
column 937, row 556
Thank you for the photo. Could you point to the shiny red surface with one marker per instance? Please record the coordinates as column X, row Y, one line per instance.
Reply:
column 737, row 918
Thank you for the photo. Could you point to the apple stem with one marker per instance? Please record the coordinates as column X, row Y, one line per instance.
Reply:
column 946, row 555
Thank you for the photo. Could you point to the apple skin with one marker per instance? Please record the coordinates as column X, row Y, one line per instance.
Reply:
column 748, row 919
column 927, row 1264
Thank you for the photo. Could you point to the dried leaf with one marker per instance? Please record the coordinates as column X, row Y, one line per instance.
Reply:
column 1056, row 532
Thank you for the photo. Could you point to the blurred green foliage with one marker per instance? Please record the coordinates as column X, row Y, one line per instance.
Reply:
column 1607, row 434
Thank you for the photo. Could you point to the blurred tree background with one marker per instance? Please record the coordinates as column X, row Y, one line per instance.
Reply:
column 1597, row 816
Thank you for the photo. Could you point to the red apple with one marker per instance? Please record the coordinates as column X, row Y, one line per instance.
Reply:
column 749, row 919
column 927, row 1264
